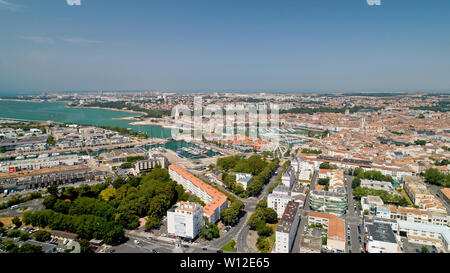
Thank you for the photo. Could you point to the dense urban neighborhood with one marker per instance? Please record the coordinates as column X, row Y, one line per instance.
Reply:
column 350, row 173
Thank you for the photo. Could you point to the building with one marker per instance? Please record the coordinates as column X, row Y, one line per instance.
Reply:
column 185, row 220
column 381, row 238
column 244, row 179
column 286, row 230
column 412, row 215
column 421, row 196
column 288, row 178
column 149, row 164
column 327, row 201
column 446, row 195
column 335, row 229
column 162, row 160
column 59, row 175
column 311, row 243
column 378, row 185
column 215, row 200
column 279, row 199
column 371, row 203
column 426, row 234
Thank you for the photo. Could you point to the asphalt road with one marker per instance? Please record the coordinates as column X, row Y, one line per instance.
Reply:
column 352, row 219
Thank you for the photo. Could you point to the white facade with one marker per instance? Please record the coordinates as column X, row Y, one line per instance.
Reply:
column 286, row 230
column 185, row 220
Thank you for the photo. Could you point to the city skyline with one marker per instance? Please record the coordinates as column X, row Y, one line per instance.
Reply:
column 301, row 46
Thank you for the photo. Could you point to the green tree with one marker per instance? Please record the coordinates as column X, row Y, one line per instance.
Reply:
column 16, row 221
column 209, row 231
column 42, row 235
column 152, row 222
column 14, row 233
column 53, row 190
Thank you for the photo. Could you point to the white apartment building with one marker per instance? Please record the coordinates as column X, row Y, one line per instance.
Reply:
column 215, row 200
column 284, row 236
column 185, row 220
column 426, row 234
column 289, row 178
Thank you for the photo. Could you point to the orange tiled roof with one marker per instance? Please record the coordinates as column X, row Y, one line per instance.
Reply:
column 218, row 198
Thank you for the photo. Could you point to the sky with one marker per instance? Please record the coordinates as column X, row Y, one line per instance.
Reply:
column 228, row 45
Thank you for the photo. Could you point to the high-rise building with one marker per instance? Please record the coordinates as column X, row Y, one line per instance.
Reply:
column 185, row 220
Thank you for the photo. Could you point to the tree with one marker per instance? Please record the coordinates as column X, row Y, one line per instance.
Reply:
column 324, row 181
column 14, row 233
column 152, row 222
column 356, row 182
column 209, row 231
column 53, row 190
column 85, row 246
column 434, row 176
column 263, row 245
column 270, row 215
column 261, row 204
column 256, row 220
column 264, row 231
column 42, row 235
column 24, row 236
column 16, row 221
column 118, row 183
column 424, row 249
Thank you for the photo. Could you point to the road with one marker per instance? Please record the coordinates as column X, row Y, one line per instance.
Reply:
column 352, row 219
column 250, row 207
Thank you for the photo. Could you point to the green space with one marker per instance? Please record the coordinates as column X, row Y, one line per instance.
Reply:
column 229, row 246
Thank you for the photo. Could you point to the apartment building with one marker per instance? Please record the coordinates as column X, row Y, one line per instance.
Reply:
column 413, row 215
column 446, row 195
column 185, row 220
column 426, row 234
column 41, row 162
column 371, row 203
column 327, row 201
column 422, row 197
column 244, row 179
column 335, row 226
column 286, row 230
column 381, row 238
column 289, row 178
column 215, row 200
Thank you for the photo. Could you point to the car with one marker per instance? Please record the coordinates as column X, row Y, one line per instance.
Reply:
column 137, row 242
column 185, row 246
column 204, row 249
column 154, row 251
column 220, row 251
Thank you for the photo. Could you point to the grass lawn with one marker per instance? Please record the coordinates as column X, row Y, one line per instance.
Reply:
column 272, row 237
column 229, row 246
column 7, row 221
column 404, row 194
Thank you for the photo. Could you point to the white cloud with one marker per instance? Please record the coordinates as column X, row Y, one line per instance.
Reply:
column 79, row 40
column 39, row 39
column 8, row 5
column 50, row 40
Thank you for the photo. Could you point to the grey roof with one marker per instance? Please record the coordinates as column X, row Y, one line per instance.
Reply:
column 381, row 232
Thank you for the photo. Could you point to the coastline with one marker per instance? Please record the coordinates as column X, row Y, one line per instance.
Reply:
column 111, row 109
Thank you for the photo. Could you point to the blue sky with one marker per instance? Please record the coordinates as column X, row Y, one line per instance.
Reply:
column 323, row 45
